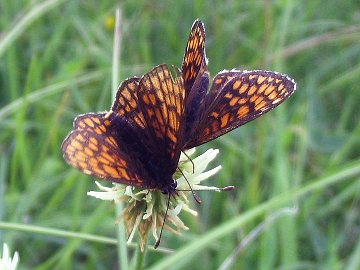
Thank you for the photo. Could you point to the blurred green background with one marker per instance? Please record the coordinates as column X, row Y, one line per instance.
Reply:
column 56, row 63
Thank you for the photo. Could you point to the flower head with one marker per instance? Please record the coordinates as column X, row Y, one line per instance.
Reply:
column 6, row 262
column 145, row 209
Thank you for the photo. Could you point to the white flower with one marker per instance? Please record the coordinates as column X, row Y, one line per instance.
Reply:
column 145, row 209
column 6, row 262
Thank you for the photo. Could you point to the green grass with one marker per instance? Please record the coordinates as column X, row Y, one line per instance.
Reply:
column 56, row 61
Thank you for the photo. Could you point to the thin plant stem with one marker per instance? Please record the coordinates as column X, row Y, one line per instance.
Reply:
column 140, row 257
column 33, row 229
column 56, row 232
column 116, row 53
column 122, row 248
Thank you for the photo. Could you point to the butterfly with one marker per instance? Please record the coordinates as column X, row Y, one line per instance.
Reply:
column 157, row 116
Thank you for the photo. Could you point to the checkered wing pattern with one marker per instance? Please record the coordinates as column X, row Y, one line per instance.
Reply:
column 161, row 99
column 92, row 149
column 194, row 63
column 126, row 102
column 235, row 99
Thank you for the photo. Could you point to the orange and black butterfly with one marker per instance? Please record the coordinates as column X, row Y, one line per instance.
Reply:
column 155, row 117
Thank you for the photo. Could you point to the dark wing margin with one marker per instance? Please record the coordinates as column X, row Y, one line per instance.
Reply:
column 92, row 149
column 239, row 99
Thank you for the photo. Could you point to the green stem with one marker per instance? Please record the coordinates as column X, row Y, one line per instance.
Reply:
column 122, row 248
column 55, row 232
column 121, row 240
column 140, row 257
column 33, row 229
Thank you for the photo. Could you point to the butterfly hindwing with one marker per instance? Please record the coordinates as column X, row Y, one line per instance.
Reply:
column 92, row 148
column 237, row 98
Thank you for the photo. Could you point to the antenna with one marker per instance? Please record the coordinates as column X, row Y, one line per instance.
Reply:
column 192, row 162
column 196, row 197
column 227, row 188
column 162, row 226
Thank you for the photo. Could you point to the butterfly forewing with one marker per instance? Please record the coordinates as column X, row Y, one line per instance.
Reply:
column 92, row 148
column 194, row 63
column 126, row 102
column 195, row 75
column 161, row 99
column 238, row 100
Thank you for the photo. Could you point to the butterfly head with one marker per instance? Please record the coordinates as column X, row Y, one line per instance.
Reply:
column 170, row 189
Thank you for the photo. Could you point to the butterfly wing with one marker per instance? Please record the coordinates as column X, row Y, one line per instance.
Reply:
column 194, row 63
column 194, row 74
column 92, row 148
column 218, row 83
column 236, row 98
column 126, row 102
column 161, row 101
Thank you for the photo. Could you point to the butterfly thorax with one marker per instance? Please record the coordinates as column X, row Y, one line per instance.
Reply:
column 155, row 169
